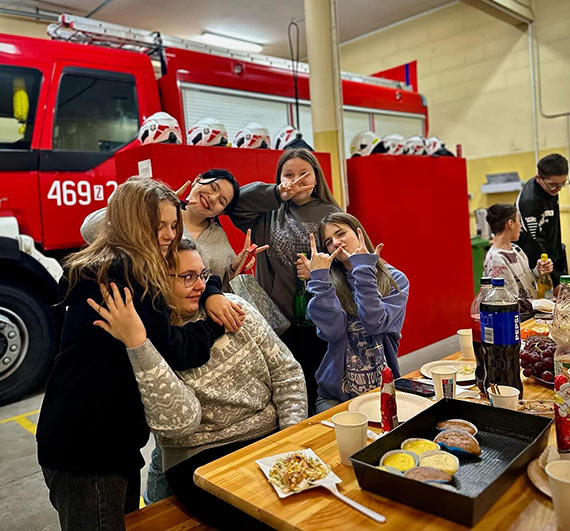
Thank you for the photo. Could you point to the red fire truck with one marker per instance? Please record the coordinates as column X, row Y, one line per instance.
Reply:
column 68, row 108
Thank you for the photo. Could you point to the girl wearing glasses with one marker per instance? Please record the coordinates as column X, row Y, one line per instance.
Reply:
column 359, row 304
column 506, row 259
column 92, row 423
column 283, row 215
column 250, row 387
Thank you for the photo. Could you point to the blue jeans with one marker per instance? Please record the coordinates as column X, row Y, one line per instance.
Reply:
column 322, row 404
column 157, row 487
column 92, row 503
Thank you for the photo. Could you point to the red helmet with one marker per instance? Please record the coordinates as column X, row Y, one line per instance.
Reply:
column 160, row 128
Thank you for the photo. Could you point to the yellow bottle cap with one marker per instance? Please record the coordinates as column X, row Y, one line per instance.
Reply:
column 544, row 257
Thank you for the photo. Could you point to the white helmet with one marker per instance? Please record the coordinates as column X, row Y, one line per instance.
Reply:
column 283, row 138
column 394, row 144
column 207, row 132
column 433, row 145
column 160, row 128
column 252, row 136
column 365, row 143
column 416, row 145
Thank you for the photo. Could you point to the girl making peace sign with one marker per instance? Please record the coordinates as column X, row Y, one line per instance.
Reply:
column 358, row 306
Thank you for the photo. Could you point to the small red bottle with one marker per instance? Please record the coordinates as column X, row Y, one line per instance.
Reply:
column 388, row 407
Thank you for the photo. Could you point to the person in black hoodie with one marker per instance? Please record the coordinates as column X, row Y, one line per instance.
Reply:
column 537, row 204
column 92, row 424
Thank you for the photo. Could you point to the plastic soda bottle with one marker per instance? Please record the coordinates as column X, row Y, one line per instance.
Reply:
column 560, row 331
column 544, row 282
column 500, row 337
column 480, row 370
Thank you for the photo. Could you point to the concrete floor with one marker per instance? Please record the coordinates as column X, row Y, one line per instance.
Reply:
column 24, row 503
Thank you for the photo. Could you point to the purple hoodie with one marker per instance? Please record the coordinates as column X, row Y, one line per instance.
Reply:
column 366, row 342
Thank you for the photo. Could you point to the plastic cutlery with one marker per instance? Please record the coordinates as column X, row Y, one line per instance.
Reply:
column 331, row 487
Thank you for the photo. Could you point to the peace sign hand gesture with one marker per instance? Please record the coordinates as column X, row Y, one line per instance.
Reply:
column 245, row 260
column 319, row 260
column 289, row 189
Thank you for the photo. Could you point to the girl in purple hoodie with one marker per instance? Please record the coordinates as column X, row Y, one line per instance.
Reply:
column 358, row 305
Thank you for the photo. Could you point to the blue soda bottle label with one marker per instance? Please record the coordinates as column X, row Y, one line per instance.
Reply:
column 500, row 328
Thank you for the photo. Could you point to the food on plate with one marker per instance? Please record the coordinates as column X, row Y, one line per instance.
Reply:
column 537, row 407
column 537, row 358
column 466, row 370
column 428, row 473
column 295, row 472
column 419, row 446
column 458, row 442
column 440, row 460
column 460, row 424
column 534, row 328
column 399, row 459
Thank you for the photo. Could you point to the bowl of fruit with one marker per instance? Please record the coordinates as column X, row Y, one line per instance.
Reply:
column 537, row 359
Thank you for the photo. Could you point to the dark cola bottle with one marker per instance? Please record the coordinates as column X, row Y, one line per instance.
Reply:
column 500, row 337
column 475, row 313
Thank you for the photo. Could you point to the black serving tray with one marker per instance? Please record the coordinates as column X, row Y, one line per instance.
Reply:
column 509, row 440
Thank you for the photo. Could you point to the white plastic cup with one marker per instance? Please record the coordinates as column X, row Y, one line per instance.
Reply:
column 558, row 473
column 444, row 381
column 508, row 399
column 466, row 343
column 350, row 428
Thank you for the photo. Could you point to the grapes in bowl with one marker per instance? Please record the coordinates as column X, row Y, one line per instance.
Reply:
column 537, row 359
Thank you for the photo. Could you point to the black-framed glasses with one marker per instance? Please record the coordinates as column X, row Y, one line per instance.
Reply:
column 555, row 186
column 191, row 278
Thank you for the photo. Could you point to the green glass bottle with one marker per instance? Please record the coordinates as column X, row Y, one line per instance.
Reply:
column 302, row 298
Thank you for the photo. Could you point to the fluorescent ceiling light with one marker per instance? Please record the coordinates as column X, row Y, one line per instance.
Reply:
column 229, row 42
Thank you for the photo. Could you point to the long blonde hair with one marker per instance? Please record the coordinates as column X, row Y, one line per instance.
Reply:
column 129, row 232
column 321, row 190
column 338, row 271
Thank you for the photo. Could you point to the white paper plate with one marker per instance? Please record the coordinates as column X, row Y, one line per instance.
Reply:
column 408, row 405
column 266, row 464
column 543, row 305
column 462, row 366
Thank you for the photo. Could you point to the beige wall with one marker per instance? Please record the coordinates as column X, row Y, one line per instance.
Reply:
column 475, row 73
column 23, row 26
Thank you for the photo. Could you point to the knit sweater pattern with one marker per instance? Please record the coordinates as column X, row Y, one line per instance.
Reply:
column 251, row 386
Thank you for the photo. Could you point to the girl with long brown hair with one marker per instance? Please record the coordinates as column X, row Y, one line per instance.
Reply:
column 358, row 305
column 92, row 423
column 283, row 215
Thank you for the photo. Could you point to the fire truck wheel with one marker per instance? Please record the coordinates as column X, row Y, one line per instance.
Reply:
column 27, row 342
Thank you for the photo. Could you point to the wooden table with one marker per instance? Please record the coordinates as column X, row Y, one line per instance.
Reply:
column 237, row 479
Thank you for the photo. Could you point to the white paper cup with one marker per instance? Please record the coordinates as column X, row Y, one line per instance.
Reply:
column 558, row 473
column 508, row 399
column 466, row 343
column 444, row 381
column 350, row 429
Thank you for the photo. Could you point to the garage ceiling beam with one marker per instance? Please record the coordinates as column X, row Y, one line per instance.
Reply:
column 515, row 12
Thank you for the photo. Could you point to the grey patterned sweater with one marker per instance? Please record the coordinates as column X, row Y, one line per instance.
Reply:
column 251, row 386
column 285, row 226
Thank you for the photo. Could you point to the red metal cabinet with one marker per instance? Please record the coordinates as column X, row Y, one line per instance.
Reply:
column 417, row 206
